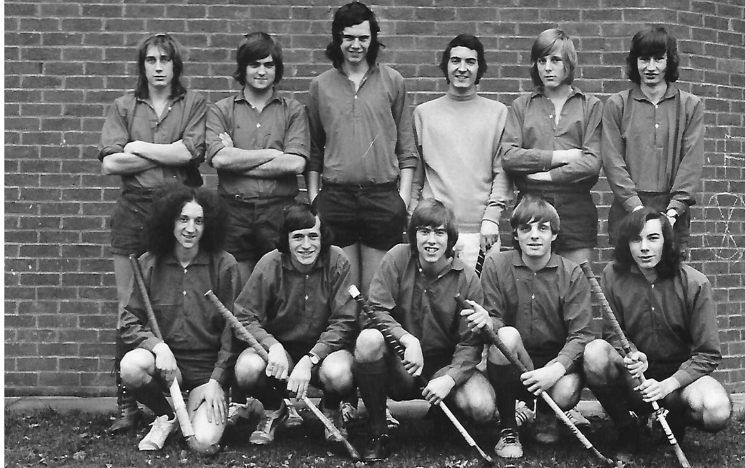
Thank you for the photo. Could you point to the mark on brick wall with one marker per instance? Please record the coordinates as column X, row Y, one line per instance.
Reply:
column 724, row 217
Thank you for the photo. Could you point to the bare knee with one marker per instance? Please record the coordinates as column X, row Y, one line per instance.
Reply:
column 370, row 346
column 248, row 368
column 598, row 363
column 136, row 367
column 336, row 372
column 567, row 391
column 510, row 337
column 476, row 398
column 710, row 405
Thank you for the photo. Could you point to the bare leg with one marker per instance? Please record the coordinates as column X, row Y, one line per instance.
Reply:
column 577, row 256
column 355, row 262
column 371, row 259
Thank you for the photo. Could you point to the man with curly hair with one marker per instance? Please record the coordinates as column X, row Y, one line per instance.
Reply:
column 184, row 260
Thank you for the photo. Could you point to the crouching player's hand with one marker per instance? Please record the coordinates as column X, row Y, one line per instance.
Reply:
column 539, row 380
column 477, row 317
column 438, row 389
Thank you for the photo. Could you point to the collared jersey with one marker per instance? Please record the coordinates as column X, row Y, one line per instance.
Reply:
column 532, row 135
column 187, row 320
column 653, row 147
column 550, row 308
column 280, row 304
column 673, row 321
column 281, row 125
column 131, row 119
column 406, row 301
column 363, row 136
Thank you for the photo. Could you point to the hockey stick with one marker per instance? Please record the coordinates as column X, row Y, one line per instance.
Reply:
column 179, row 406
column 243, row 334
column 492, row 338
column 611, row 317
column 398, row 348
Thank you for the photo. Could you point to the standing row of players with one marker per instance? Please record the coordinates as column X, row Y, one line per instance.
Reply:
column 366, row 163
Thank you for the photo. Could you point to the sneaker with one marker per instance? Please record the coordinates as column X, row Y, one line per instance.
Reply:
column 264, row 433
column 509, row 445
column 577, row 419
column 239, row 413
column 293, row 417
column 546, row 428
column 336, row 418
column 391, row 421
column 162, row 427
column 523, row 415
column 350, row 414
column 377, row 449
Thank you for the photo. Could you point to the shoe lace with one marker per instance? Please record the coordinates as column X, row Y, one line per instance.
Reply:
column 266, row 424
column 509, row 436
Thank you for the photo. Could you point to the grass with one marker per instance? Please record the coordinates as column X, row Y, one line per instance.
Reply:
column 49, row 438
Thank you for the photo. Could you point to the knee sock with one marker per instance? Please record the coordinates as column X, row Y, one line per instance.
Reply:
column 507, row 385
column 372, row 380
column 614, row 400
column 151, row 395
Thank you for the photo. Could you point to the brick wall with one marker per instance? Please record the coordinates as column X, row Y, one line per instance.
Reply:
column 65, row 62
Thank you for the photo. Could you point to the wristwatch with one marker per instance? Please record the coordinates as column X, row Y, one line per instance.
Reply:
column 314, row 359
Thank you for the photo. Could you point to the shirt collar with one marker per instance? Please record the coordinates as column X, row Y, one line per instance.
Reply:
column 202, row 258
column 517, row 260
column 539, row 92
column 637, row 94
column 241, row 96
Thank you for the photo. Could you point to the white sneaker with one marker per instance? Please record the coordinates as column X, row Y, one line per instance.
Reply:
column 238, row 413
column 293, row 417
column 156, row 438
column 576, row 417
column 509, row 445
column 391, row 421
column 523, row 415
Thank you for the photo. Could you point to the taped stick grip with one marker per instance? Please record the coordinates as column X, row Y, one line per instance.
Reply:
column 491, row 337
column 244, row 335
column 610, row 317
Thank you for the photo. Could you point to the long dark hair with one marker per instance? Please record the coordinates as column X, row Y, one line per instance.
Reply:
column 653, row 41
column 169, row 201
column 629, row 230
column 349, row 15
column 255, row 46
column 173, row 50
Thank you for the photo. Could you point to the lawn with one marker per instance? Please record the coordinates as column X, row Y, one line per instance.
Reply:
column 49, row 438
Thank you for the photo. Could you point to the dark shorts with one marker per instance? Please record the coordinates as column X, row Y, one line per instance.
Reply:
column 196, row 368
column 254, row 226
column 128, row 222
column 657, row 201
column 578, row 216
column 374, row 216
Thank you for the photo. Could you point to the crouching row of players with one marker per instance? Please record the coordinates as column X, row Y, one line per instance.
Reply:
column 296, row 304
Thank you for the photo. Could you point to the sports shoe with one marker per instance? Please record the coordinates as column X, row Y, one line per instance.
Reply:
column 509, row 445
column 391, row 421
column 546, row 428
column 293, row 417
column 239, row 413
column 130, row 415
column 523, row 415
column 377, row 449
column 264, row 433
column 156, row 438
column 336, row 418
column 576, row 417
column 350, row 414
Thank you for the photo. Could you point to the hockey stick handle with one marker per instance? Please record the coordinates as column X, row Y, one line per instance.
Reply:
column 491, row 337
column 179, row 406
column 610, row 317
column 243, row 334
column 400, row 351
